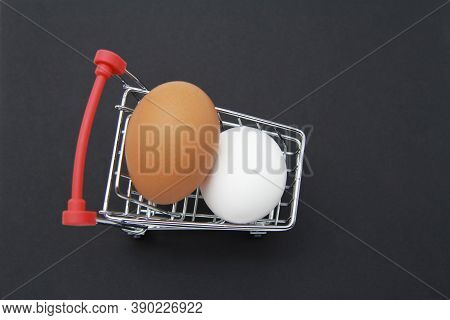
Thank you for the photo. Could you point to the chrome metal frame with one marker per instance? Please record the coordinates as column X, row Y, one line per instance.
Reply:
column 136, row 215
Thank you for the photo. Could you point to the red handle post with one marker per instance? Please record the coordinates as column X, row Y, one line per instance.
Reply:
column 108, row 64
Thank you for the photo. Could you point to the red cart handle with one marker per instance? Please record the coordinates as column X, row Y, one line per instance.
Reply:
column 108, row 64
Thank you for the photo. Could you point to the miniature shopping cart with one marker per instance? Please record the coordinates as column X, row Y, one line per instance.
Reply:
column 124, row 207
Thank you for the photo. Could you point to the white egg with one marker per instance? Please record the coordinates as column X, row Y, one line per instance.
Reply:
column 248, row 178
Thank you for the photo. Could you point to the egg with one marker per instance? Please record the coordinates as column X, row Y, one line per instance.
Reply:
column 171, row 141
column 248, row 178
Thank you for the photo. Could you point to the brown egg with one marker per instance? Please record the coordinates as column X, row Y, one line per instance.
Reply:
column 171, row 141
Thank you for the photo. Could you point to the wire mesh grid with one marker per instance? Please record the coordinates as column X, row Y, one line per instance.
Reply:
column 133, row 212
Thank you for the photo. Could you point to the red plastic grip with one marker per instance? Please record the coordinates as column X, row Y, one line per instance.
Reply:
column 108, row 64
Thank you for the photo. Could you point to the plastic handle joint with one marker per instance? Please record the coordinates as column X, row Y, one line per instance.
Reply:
column 108, row 64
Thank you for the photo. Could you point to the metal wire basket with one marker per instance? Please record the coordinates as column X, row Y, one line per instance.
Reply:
column 124, row 207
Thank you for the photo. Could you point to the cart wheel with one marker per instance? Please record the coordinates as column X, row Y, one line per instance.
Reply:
column 257, row 234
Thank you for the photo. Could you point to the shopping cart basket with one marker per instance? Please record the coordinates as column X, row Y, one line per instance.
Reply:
column 124, row 207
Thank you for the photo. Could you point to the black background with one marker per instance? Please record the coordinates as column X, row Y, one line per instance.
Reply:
column 379, row 148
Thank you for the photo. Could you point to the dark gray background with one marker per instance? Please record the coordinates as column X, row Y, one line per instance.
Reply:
column 379, row 149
